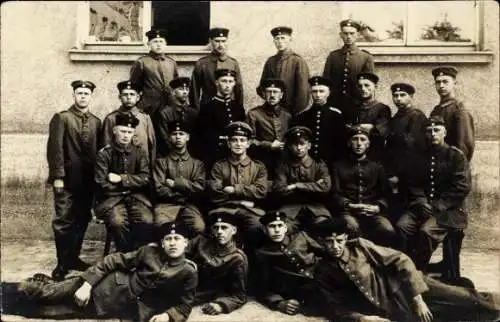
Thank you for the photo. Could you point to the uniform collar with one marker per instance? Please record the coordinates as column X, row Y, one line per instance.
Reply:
column 176, row 157
column 223, row 250
column 440, row 149
column 75, row 110
column 177, row 105
column 134, row 110
column 305, row 162
column 447, row 101
column 243, row 163
column 272, row 110
column 157, row 56
column 285, row 53
column 120, row 148
column 223, row 99
column 353, row 158
column 216, row 57
column 366, row 105
column 174, row 261
column 351, row 49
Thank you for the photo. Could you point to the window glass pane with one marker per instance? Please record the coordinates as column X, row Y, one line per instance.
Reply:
column 442, row 21
column 380, row 21
column 116, row 21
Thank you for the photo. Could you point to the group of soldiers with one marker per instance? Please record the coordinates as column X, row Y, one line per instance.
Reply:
column 261, row 201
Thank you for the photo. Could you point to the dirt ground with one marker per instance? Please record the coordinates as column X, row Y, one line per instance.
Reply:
column 21, row 259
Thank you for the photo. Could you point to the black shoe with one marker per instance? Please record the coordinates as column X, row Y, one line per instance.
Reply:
column 42, row 278
column 78, row 265
column 59, row 273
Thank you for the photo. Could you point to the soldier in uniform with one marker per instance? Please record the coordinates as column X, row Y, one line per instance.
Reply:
column 291, row 68
column 326, row 123
column 154, row 283
column 459, row 121
column 71, row 153
column 371, row 114
column 439, row 184
column 343, row 65
column 302, row 183
column 144, row 134
column 203, row 86
column 237, row 183
column 153, row 72
column 214, row 116
column 223, row 267
column 286, row 262
column 360, row 191
column 178, row 110
column 269, row 123
column 361, row 281
column 179, row 181
column 122, row 175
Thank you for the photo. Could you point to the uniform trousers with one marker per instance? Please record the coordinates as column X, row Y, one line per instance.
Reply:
column 188, row 215
column 376, row 228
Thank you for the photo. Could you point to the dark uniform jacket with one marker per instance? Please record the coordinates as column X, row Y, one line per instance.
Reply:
column 153, row 73
column 214, row 116
column 203, row 79
column 248, row 177
column 441, row 177
column 222, row 271
column 175, row 111
column 188, row 175
column 72, row 148
column 146, row 278
column 366, row 278
column 313, row 181
column 132, row 164
column 286, row 269
column 359, row 181
column 292, row 69
column 342, row 67
column 327, row 125
column 459, row 125
column 144, row 135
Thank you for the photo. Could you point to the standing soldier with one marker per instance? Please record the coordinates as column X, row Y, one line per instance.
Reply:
column 269, row 123
column 71, row 154
column 178, row 110
column 203, row 86
column 326, row 123
column 153, row 72
column 290, row 68
column 459, row 121
column 343, row 66
column 144, row 135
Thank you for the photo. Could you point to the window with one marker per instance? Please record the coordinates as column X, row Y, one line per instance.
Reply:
column 415, row 23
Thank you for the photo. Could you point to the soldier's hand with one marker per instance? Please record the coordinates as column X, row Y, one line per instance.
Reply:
column 82, row 295
column 291, row 187
column 290, row 306
column 421, row 309
column 249, row 204
column 114, row 178
column 277, row 145
column 394, row 180
column 212, row 308
column 372, row 209
column 228, row 189
column 58, row 185
column 163, row 317
column 170, row 183
column 373, row 318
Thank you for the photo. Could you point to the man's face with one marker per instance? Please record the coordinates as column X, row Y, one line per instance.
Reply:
column 82, row 97
column 273, row 95
column 359, row 143
column 129, row 97
column 181, row 93
column 158, row 45
column 300, row 147
column 123, row 134
column 348, row 35
column 223, row 232
column 435, row 134
column 219, row 45
column 174, row 245
column 445, row 85
column 238, row 145
column 320, row 94
column 401, row 99
column 366, row 89
column 179, row 139
column 335, row 244
column 225, row 85
column 282, row 42
column 276, row 230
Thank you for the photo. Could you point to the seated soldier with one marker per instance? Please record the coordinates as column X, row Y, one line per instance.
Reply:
column 122, row 176
column 179, row 181
column 361, row 281
column 286, row 262
column 302, row 183
column 439, row 183
column 154, row 283
column 269, row 123
column 237, row 182
column 223, row 267
column 359, row 191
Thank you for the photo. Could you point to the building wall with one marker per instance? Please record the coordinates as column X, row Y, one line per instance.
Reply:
column 36, row 68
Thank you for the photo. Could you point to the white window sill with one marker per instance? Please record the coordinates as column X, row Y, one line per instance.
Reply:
column 424, row 56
